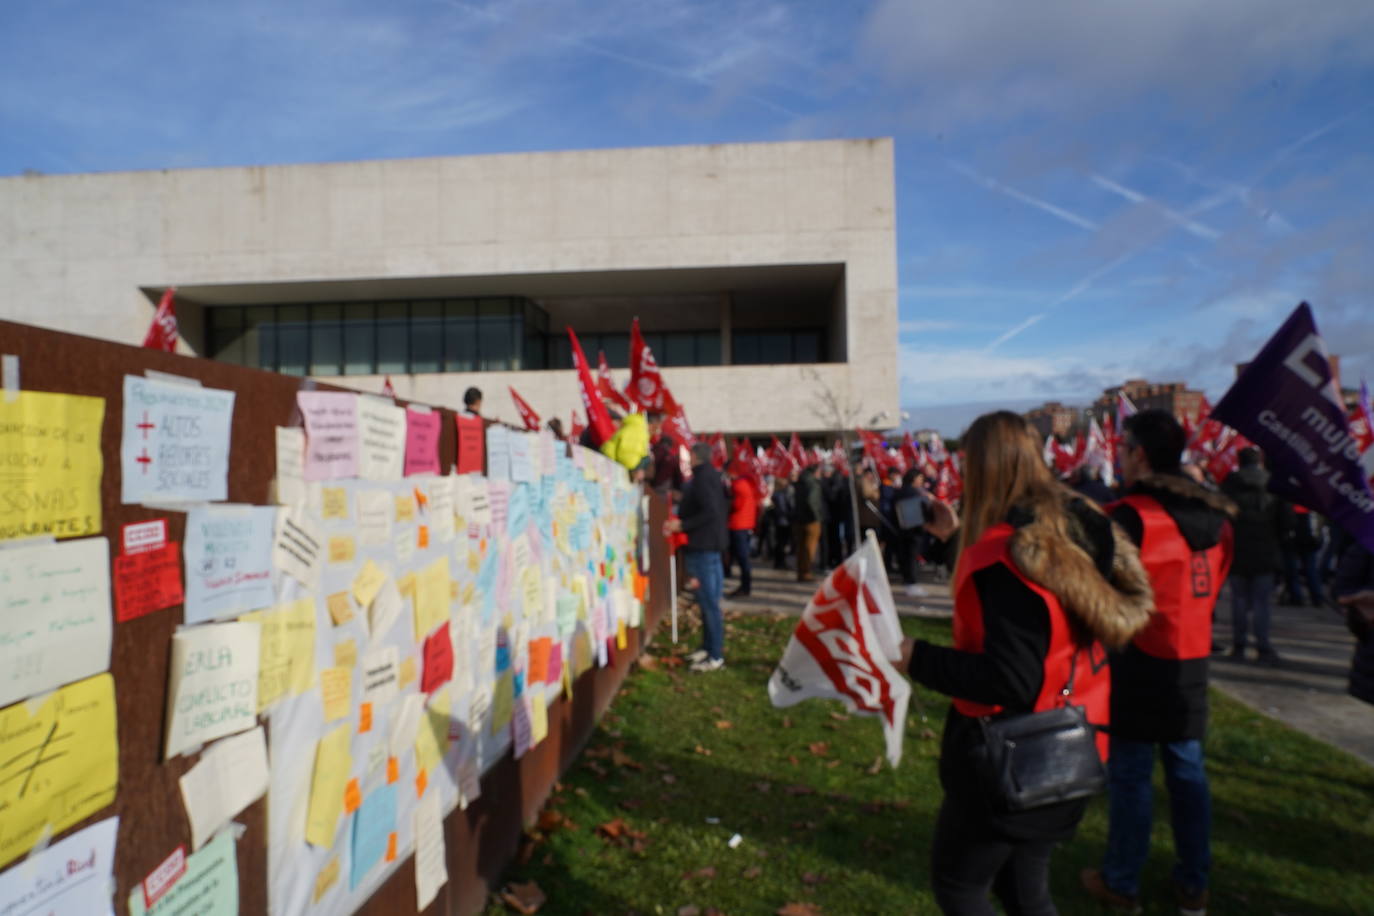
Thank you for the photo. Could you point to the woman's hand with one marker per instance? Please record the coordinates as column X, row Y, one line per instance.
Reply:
column 943, row 521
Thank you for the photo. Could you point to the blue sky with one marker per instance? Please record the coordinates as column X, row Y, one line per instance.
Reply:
column 1087, row 190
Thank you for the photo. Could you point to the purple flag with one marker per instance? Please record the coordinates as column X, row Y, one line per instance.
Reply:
column 1287, row 402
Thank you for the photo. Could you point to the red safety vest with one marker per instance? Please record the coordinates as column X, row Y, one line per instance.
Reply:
column 1091, row 678
column 1186, row 584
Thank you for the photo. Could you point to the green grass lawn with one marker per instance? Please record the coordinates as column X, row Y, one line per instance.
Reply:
column 642, row 823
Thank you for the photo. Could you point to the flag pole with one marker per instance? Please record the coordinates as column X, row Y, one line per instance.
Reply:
column 672, row 585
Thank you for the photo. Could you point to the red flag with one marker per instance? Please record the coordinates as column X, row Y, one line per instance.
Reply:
column 576, row 426
column 646, row 383
column 162, row 333
column 794, row 449
column 745, row 464
column 718, row 456
column 527, row 414
column 597, row 416
column 839, row 456
column 783, row 464
column 387, row 389
column 606, row 385
column 675, row 421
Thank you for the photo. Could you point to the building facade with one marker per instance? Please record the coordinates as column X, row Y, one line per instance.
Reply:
column 764, row 275
column 1175, row 397
column 1055, row 419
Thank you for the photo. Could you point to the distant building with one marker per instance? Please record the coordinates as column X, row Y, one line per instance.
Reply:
column 1175, row 397
column 1055, row 419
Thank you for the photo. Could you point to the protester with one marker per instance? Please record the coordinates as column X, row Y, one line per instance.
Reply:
column 870, row 517
column 1087, row 481
column 702, row 515
column 908, row 539
column 629, row 445
column 1043, row 581
column 556, row 427
column 1354, row 590
column 839, row 509
column 780, row 521
column 744, row 510
column 808, row 511
column 1300, row 543
column 472, row 402
column 1259, row 525
column 1159, row 683
column 667, row 469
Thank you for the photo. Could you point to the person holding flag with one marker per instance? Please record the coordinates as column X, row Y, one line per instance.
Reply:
column 1044, row 581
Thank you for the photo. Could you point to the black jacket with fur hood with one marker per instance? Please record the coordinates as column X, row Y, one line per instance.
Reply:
column 1158, row 699
column 1106, row 594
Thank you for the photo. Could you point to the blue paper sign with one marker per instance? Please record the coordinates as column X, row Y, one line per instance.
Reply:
column 373, row 824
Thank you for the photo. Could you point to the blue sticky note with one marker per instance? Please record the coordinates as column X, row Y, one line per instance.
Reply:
column 519, row 683
column 373, row 824
column 518, row 512
column 502, row 657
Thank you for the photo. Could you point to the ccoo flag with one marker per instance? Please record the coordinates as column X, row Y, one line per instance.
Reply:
column 1287, row 402
column 844, row 646
column 162, row 333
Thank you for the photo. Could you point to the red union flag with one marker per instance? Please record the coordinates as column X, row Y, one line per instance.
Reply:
column 844, row 646
column 606, row 385
column 162, row 333
column 646, row 384
column 527, row 414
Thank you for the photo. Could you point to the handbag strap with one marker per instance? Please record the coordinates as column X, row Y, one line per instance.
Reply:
column 1073, row 670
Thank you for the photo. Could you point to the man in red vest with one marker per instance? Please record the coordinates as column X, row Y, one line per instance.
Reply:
column 1159, row 682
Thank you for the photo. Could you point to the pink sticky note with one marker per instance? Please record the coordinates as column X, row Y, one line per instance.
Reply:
column 331, row 433
column 422, row 442
column 555, row 673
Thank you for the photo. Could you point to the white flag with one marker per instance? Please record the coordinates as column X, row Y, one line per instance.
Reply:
column 844, row 646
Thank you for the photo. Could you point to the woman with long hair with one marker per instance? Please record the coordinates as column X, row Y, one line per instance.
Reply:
column 1043, row 581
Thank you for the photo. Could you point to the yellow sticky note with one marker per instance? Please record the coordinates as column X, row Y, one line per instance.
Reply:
column 336, row 686
column 286, row 655
column 340, row 611
column 332, row 765
column 342, row 548
column 502, row 702
column 431, row 741
column 334, row 502
column 406, row 585
column 326, row 879
column 50, row 452
column 621, row 638
column 531, row 592
column 405, row 508
column 367, row 583
column 407, row 674
column 58, row 765
column 346, row 654
column 431, row 597
column 539, row 717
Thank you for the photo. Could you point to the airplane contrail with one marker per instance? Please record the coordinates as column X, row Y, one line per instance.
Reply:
column 992, row 184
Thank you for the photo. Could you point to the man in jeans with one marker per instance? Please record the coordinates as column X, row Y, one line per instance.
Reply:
column 1159, row 682
column 702, row 514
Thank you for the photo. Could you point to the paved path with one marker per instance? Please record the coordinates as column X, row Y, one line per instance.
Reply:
column 1306, row 691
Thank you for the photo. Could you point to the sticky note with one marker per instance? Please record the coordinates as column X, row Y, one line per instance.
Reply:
column 286, row 655
column 50, row 449
column 407, row 675
column 438, row 653
column 290, row 479
column 405, row 508
column 336, row 689
column 502, row 702
column 334, row 503
column 393, row 769
column 391, row 847
column 374, row 517
column 42, row 786
column 541, row 651
column 340, row 611
column 386, row 609
column 298, row 548
column 431, row 597
column 380, row 675
column 367, row 582
column 213, row 688
column 406, row 723
column 327, row 878
column 55, row 620
column 431, row 741
column 471, row 444
column 147, row 581
column 175, row 445
column 421, row 782
column 353, row 796
column 346, row 654
column 364, row 718
column 422, row 537
column 332, row 765
column 342, row 548
column 539, row 717
column 373, row 826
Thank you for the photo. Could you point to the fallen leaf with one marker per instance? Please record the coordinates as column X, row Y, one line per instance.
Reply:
column 621, row 759
column 599, row 753
column 612, row 829
column 703, row 751
column 832, row 764
column 662, row 767
column 819, row 748
column 877, row 766
column 596, row 768
column 840, row 716
column 526, row 898
column 724, row 723
column 799, row 909
column 717, row 710
column 669, row 778
column 752, row 872
column 792, row 759
column 786, row 721
column 648, row 662
column 549, row 820
column 873, row 808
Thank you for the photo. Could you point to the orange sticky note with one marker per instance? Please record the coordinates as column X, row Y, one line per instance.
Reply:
column 421, row 782
column 365, row 718
column 353, row 796
column 423, row 541
column 391, row 847
column 393, row 770
column 420, row 497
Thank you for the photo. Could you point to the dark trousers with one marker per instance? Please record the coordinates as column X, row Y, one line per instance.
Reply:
column 966, row 864
column 807, row 535
column 739, row 553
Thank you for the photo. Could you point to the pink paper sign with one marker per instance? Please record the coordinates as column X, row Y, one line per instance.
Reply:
column 331, row 434
column 422, row 442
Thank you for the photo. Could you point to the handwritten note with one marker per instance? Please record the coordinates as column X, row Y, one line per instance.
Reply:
column 441, row 508
column 498, row 453
column 431, row 597
column 298, row 549
column 51, row 461
column 72, row 876
column 471, row 444
column 382, row 439
column 230, row 776
column 331, row 434
column 374, row 826
column 406, row 724
column 333, row 763
column 210, row 886
column 521, row 465
column 386, row 609
column 334, row 503
column 342, row 549
column 286, row 657
column 58, row 764
column 147, row 581
column 336, row 690
column 290, row 465
column 214, row 683
column 54, row 615
column 422, row 441
column 228, row 561
column 175, row 445
column 374, row 517
column 381, row 675
column 430, row 870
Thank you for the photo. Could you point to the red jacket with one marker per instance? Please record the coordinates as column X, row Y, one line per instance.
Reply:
column 744, row 505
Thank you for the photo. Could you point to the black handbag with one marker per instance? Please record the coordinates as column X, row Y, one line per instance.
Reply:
column 1039, row 758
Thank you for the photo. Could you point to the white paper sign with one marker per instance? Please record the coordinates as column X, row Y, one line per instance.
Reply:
column 290, row 465
column 213, row 688
column 406, row 723
column 430, row 870
column 228, row 561
column 175, row 445
column 521, row 465
column 386, row 609
column 498, row 453
column 72, row 877
column 381, row 439
column 381, row 674
column 441, row 508
column 230, row 776
column 55, row 624
column 299, row 547
column 375, row 508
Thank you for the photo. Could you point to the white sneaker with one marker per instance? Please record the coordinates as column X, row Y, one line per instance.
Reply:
column 916, row 591
column 697, row 656
column 709, row 664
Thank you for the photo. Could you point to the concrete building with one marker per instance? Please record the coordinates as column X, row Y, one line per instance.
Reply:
column 1175, row 397
column 1054, row 419
column 763, row 274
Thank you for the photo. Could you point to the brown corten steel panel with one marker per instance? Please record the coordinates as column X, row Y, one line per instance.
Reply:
column 481, row 841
